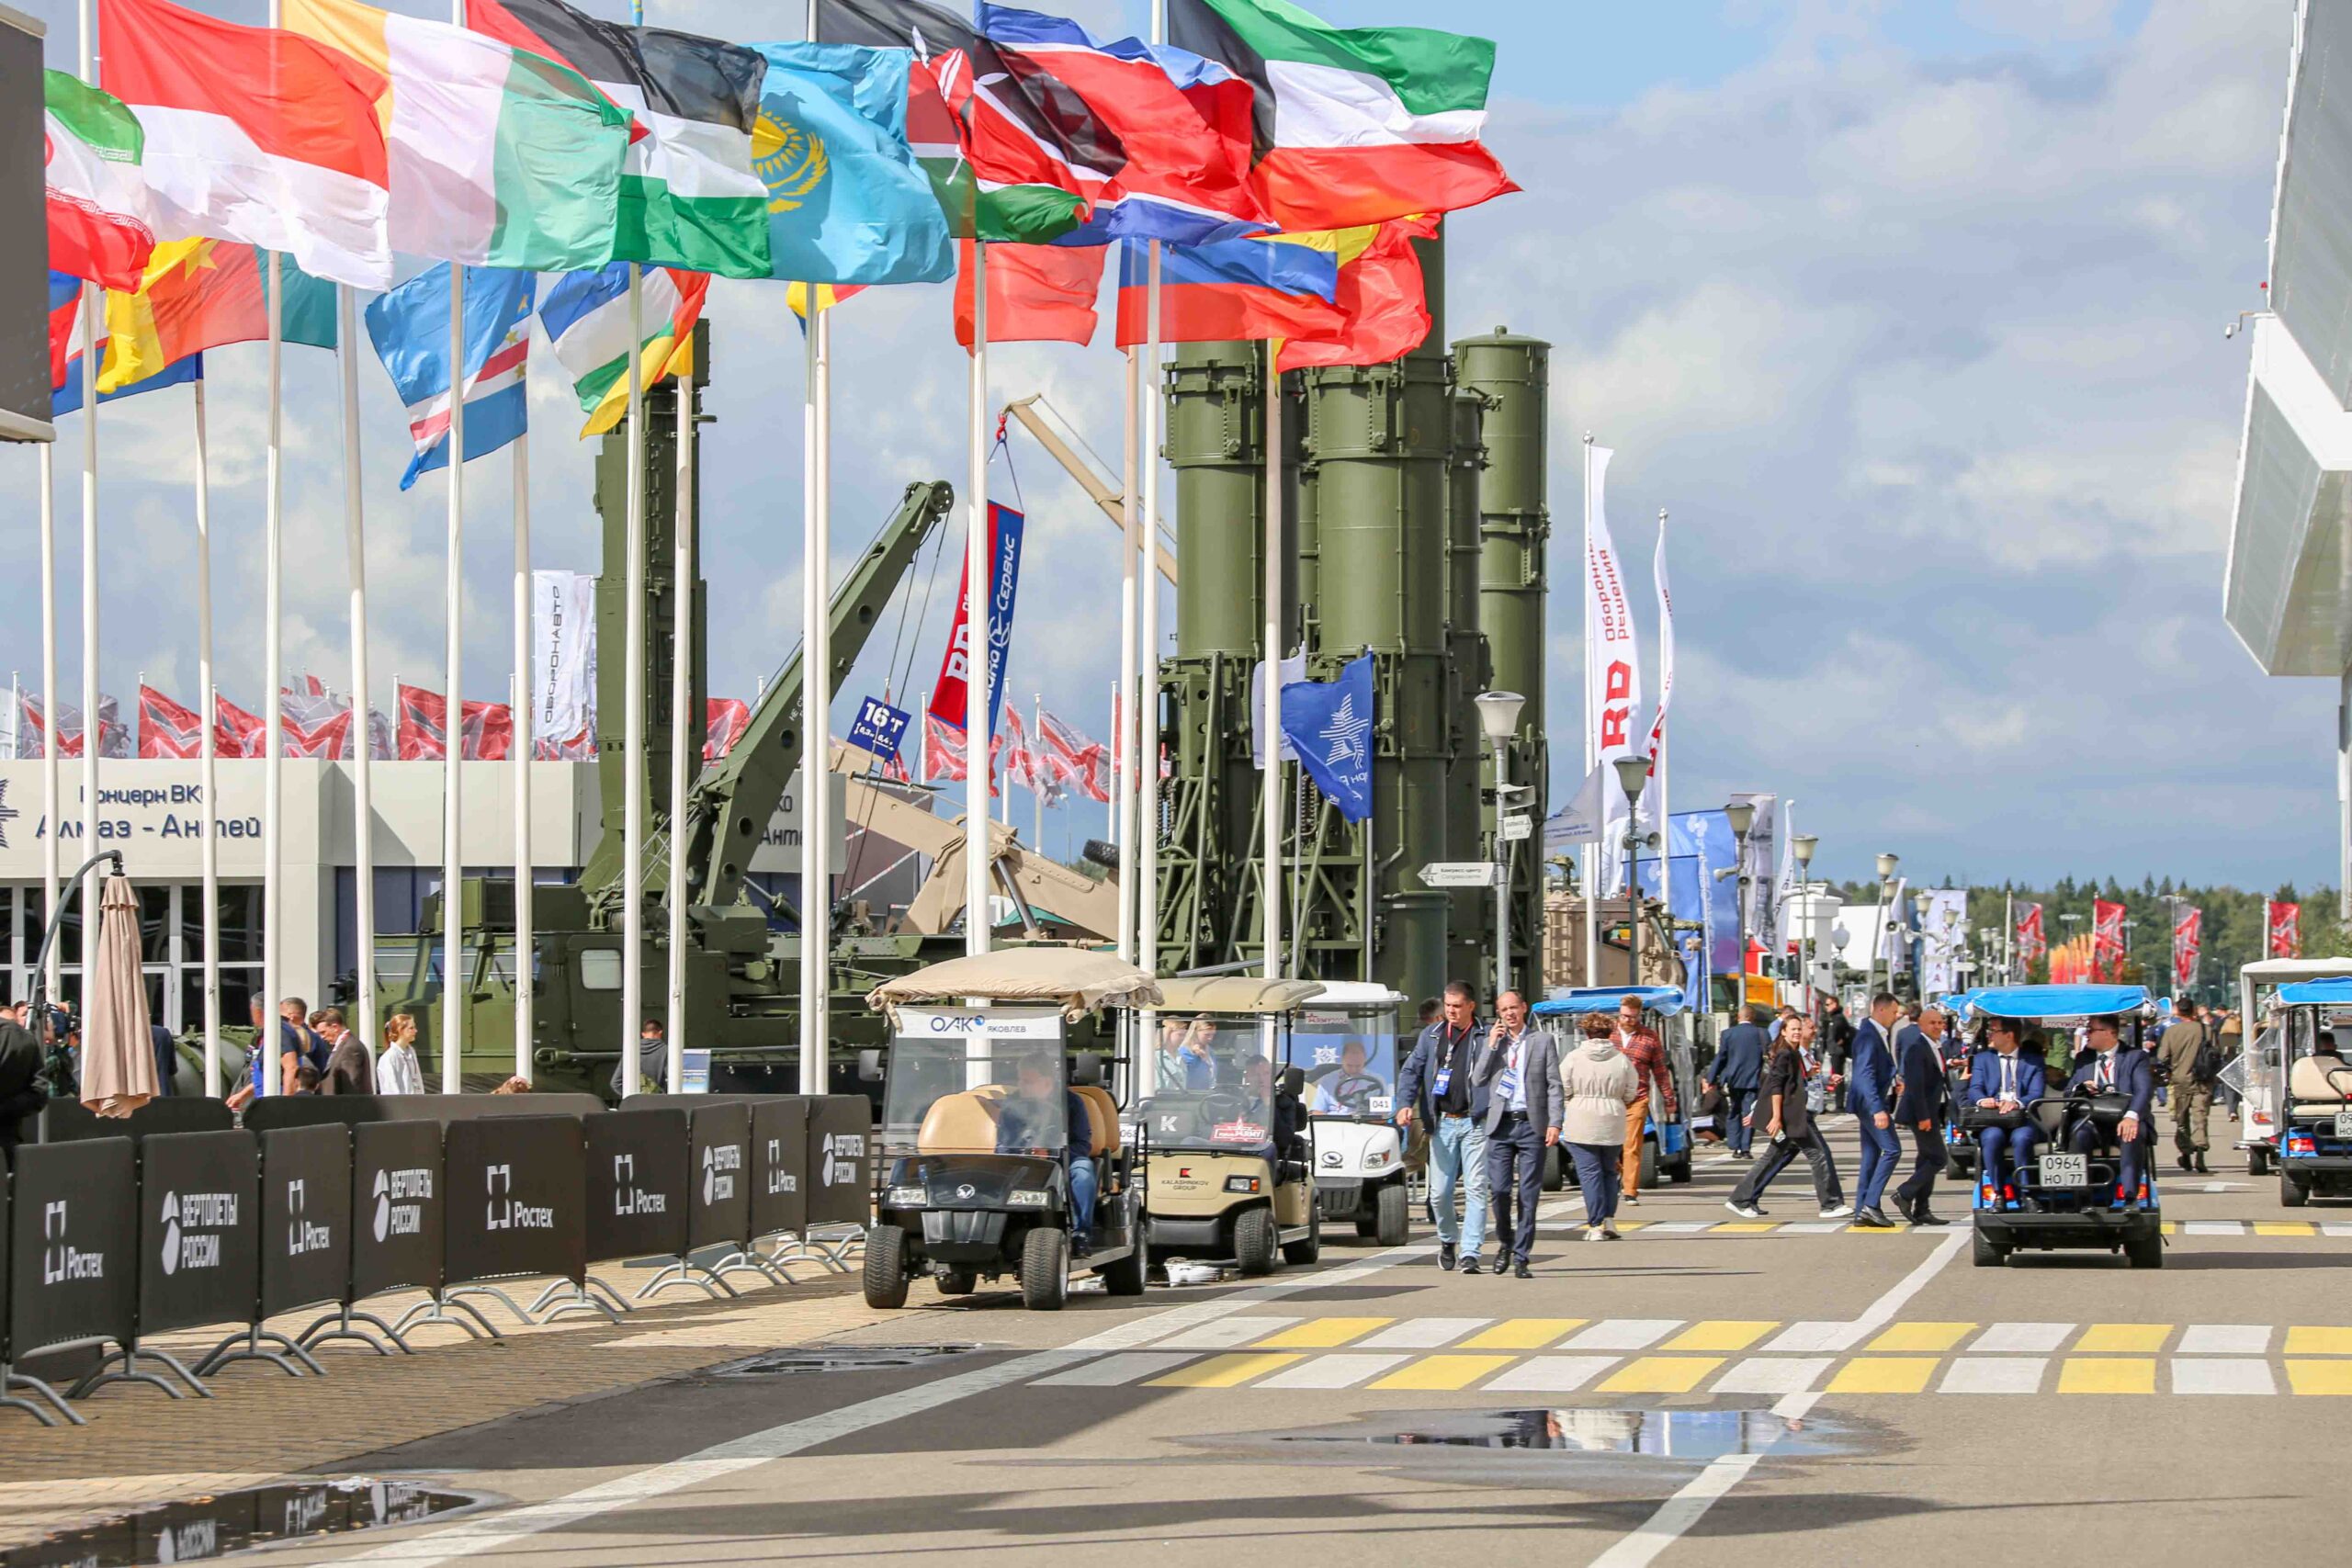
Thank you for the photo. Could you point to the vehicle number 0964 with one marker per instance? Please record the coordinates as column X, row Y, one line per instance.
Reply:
column 2065, row 1170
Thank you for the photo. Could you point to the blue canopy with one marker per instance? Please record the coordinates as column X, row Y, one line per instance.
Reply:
column 2057, row 1001
column 1664, row 1000
column 2333, row 991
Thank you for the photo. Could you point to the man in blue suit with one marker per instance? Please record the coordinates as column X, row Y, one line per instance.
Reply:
column 1870, row 1095
column 2112, row 1068
column 1919, row 1109
column 2003, row 1082
column 1737, row 1069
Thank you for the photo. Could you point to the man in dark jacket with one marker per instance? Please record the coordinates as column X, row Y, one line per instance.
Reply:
column 21, row 1093
column 350, row 1068
column 1870, row 1095
column 167, row 1058
column 1442, row 1083
column 1837, row 1036
column 1737, row 1068
column 1919, row 1106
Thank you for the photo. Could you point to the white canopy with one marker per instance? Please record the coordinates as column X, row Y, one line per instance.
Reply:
column 1078, row 978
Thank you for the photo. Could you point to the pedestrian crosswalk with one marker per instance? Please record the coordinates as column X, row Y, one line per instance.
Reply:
column 1730, row 1355
column 1656, row 1230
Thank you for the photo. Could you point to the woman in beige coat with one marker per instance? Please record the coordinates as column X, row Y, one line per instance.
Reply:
column 1601, row 1082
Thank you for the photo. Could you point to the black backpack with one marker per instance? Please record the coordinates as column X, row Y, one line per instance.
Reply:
column 2208, row 1063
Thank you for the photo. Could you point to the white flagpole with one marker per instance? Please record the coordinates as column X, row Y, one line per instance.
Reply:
column 1123, row 737
column 274, row 702
column 525, row 1035
column 816, row 712
column 49, row 779
column 980, row 580
column 453, row 712
column 633, row 704
column 209, row 812
column 1036, row 785
column 1270, row 708
column 1591, row 866
column 92, row 302
column 363, row 805
column 682, row 654
column 1145, row 698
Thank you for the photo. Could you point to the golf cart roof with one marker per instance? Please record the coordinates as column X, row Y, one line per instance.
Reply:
column 2280, row 970
column 2336, row 990
column 1358, row 994
column 2057, row 1001
column 1236, row 993
column 1664, row 1000
column 1078, row 978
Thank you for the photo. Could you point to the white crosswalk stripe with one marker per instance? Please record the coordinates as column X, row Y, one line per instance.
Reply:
column 1550, row 1374
column 2225, row 1339
column 2223, row 1376
column 1423, row 1333
column 1762, row 1374
column 1115, row 1371
column 1226, row 1333
column 2027, row 1338
column 1994, row 1374
column 1623, row 1334
column 1811, row 1336
column 1339, row 1370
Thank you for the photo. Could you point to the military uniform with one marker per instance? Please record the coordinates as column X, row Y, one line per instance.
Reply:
column 2191, row 1102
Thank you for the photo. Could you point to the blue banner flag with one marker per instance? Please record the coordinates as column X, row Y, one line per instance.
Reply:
column 847, row 202
column 879, row 727
column 1330, row 724
column 1708, row 836
column 410, row 327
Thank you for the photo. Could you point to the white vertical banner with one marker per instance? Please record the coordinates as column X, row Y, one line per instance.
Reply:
column 1943, row 932
column 1612, row 664
column 563, row 654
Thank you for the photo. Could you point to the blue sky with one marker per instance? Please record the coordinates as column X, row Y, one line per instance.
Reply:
column 1908, row 312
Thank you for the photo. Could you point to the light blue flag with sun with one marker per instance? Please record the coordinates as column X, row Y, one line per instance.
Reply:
column 847, row 202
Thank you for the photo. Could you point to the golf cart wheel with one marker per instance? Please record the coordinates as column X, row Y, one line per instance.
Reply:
column 1989, row 1254
column 958, row 1282
column 2146, row 1251
column 1367, row 1227
column 1649, row 1162
column 886, row 1267
column 1310, row 1249
column 1555, row 1172
column 1679, row 1171
column 2257, row 1162
column 1126, row 1276
column 1253, row 1241
column 1044, row 1270
column 1394, row 1226
column 2292, row 1193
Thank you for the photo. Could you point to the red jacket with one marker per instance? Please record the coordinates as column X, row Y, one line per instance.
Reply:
column 1648, row 1056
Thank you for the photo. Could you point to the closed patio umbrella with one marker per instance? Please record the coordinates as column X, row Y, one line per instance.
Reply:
column 118, row 1048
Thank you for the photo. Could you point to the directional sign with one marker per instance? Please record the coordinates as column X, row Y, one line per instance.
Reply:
column 1458, row 873
column 1518, row 826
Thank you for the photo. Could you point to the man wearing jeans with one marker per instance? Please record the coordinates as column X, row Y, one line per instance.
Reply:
column 1437, row 1084
column 1523, row 1119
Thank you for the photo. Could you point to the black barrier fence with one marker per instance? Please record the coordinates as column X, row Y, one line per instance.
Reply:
column 200, row 1230
column 721, row 1207
column 637, row 1162
column 351, row 1110
column 518, row 1199
column 69, row 1121
column 73, row 1243
column 779, row 1166
column 841, row 1126
column 306, row 1217
column 400, row 1207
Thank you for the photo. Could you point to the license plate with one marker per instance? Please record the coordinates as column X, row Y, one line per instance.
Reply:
column 2344, row 1123
column 2065, row 1170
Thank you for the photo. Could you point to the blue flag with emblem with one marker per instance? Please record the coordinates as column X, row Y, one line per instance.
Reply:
column 847, row 202
column 1329, row 722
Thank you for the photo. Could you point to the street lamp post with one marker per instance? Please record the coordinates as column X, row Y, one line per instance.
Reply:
column 1922, row 901
column 1880, row 936
column 1498, row 717
column 1741, row 815
column 1633, row 772
column 1802, row 848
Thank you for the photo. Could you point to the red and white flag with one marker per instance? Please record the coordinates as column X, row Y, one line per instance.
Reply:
column 254, row 134
column 423, row 735
column 2187, row 936
column 114, row 736
column 1074, row 760
column 2031, row 944
column 943, row 752
column 165, row 728
column 724, row 719
column 1020, row 759
column 235, row 732
column 580, row 748
column 2107, row 937
column 1612, row 662
column 2285, row 923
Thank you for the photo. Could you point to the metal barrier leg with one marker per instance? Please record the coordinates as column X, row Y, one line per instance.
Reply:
column 11, row 1378
column 337, row 1325
column 435, row 1310
column 250, row 1338
column 97, row 1377
column 577, row 1298
column 682, row 1270
column 495, row 1294
column 747, row 1261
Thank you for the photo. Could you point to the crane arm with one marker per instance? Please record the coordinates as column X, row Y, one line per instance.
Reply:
column 1029, row 410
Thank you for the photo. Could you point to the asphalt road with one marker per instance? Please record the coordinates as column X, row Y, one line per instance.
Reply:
column 1690, row 1396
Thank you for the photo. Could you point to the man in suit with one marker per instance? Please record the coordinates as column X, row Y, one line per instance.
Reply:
column 2109, row 1067
column 1525, row 1107
column 1870, row 1095
column 1919, row 1108
column 2003, row 1081
column 1737, row 1069
column 1438, row 1084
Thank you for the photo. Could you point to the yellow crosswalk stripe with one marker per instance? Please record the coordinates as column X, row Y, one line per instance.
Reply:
column 2310, row 1341
column 1660, row 1374
column 2320, row 1377
column 2285, row 1227
column 1922, row 1336
column 1746, row 1227
column 2140, row 1337
column 1321, row 1333
column 1441, row 1373
column 1884, row 1374
column 1524, row 1334
column 2121, row 1374
column 1721, row 1334
column 1224, row 1372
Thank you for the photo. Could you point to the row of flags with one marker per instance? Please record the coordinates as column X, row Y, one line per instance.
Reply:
column 1056, row 760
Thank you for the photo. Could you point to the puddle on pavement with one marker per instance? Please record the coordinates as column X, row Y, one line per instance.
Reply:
column 835, row 1359
column 210, row 1527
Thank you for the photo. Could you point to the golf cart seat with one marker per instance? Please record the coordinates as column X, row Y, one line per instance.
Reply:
column 957, row 1123
column 1105, row 1115
column 2317, row 1085
column 2049, row 1115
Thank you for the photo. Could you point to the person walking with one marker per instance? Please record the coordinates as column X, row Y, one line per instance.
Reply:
column 2191, row 1060
column 1737, row 1068
column 1837, row 1036
column 1789, row 1127
column 1522, row 1121
column 1599, row 1082
column 1870, row 1095
column 1642, row 1048
column 1924, row 1094
column 350, row 1068
column 1436, row 1085
column 397, row 1068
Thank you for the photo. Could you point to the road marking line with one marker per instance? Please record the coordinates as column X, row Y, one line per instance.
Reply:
column 2224, row 1339
column 2339, row 1228
column 1680, row 1228
column 1524, row 1334
column 1227, row 1370
column 2119, row 1374
column 1321, row 1333
column 2213, row 1227
column 1440, row 1373
column 2223, row 1376
column 2039, row 1337
column 2308, row 1341
column 2320, row 1377
column 1345, row 1369
column 1661, row 1374
column 1550, row 1374
column 1746, row 1227
column 1623, row 1334
column 1809, row 1337
column 1721, row 1334
column 1884, row 1374
column 2132, row 1336
column 1115, row 1371
column 1921, row 1336
column 1813, row 1227
column 2285, row 1227
column 1764, row 1374
column 1423, row 1333
column 1226, row 1333
column 1995, row 1374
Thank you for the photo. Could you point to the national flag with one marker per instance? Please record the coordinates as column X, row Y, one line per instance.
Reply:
column 497, row 156
column 1183, row 120
column 724, row 721
column 66, row 353
column 423, row 736
column 1382, row 301
column 101, row 218
column 1235, row 288
column 165, row 728
column 1011, row 149
column 1351, row 125
column 198, row 294
column 796, row 298
column 254, row 134
column 587, row 318
column 847, row 202
column 1037, row 293
column 689, row 196
column 410, row 327
column 1074, row 760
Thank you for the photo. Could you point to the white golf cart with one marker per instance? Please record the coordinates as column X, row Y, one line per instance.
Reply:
column 2258, row 1075
column 1346, row 1040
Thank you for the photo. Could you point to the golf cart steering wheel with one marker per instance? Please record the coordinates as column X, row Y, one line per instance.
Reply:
column 1221, row 1106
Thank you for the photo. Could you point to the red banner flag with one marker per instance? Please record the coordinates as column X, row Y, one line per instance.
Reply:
column 424, row 727
column 2107, row 937
column 2031, row 944
column 2187, row 936
column 2285, row 922
column 724, row 721
column 1072, row 758
column 165, row 728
